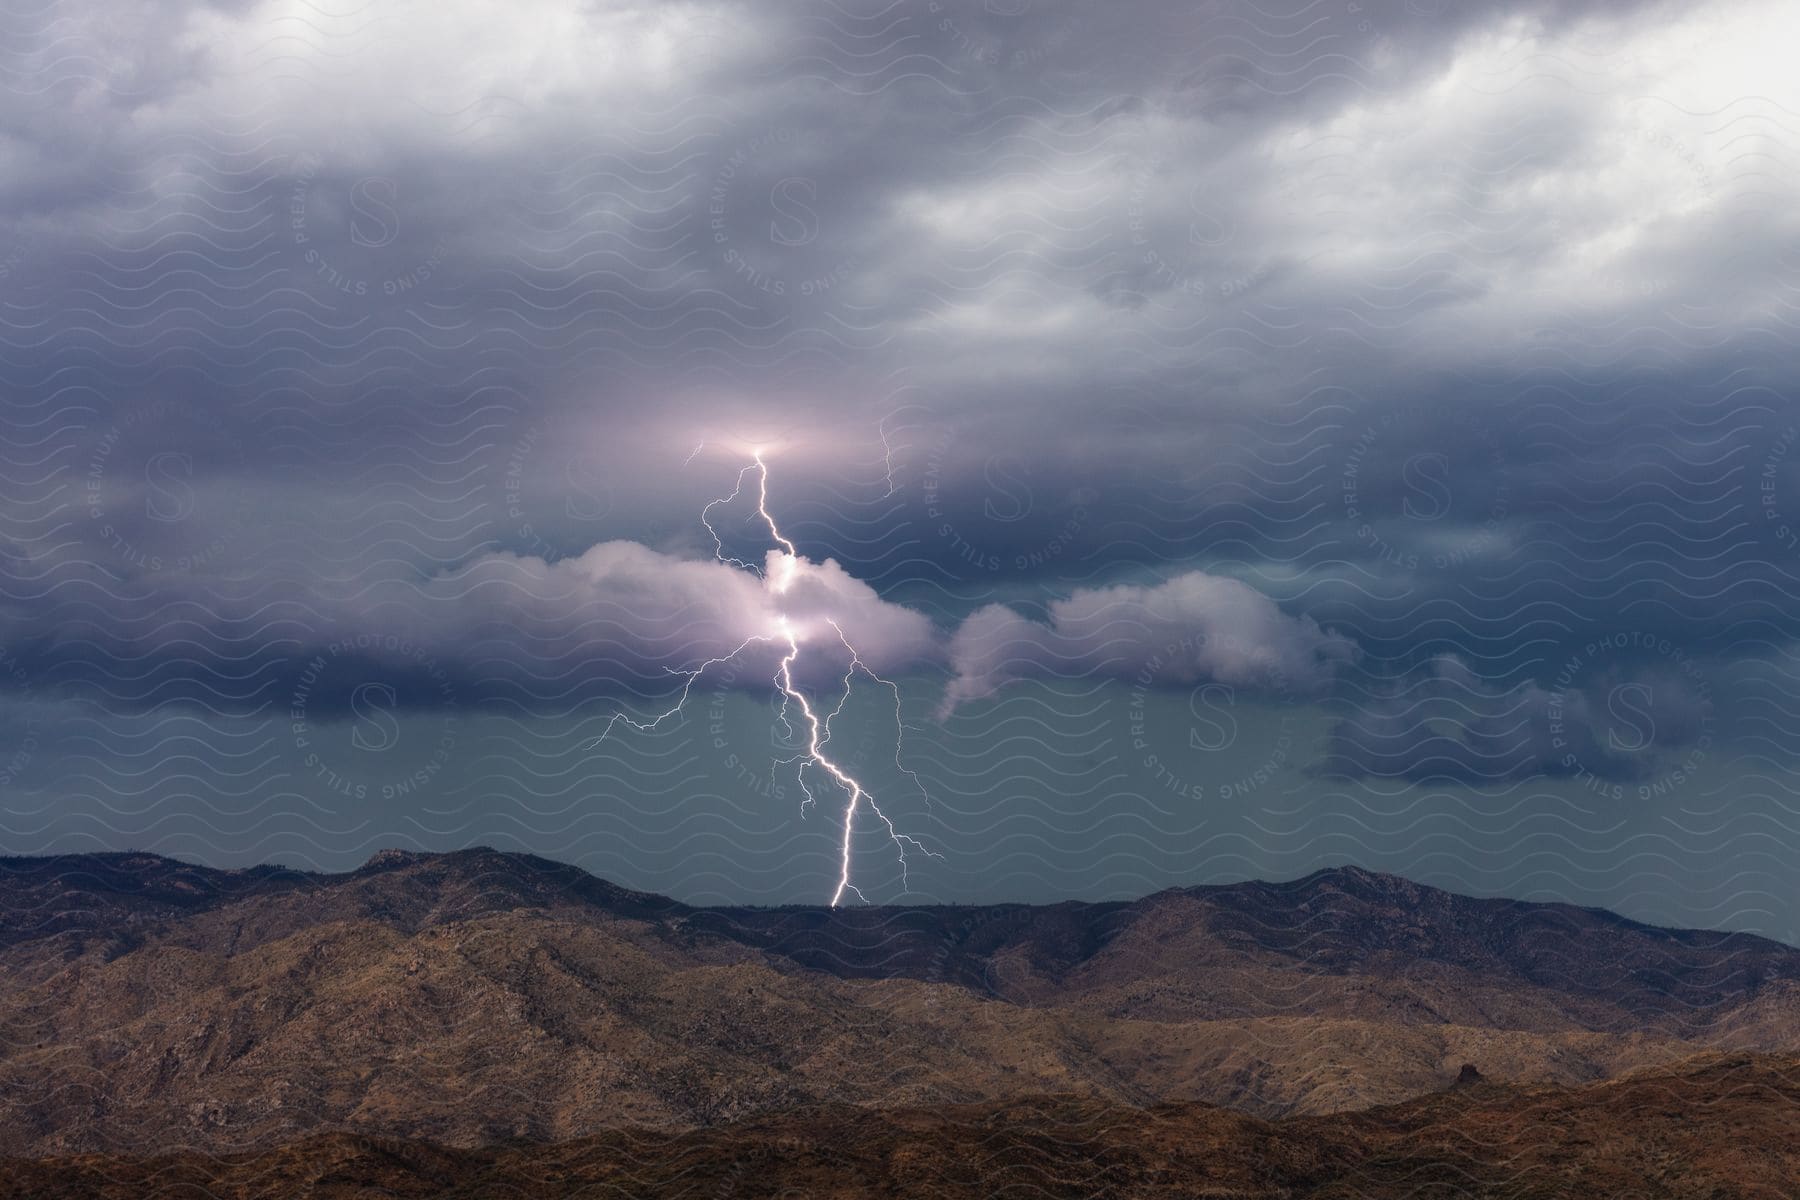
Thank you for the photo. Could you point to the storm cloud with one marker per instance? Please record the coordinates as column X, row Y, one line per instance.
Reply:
column 1361, row 365
column 1614, row 726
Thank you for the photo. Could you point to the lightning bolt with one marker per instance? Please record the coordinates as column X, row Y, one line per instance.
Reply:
column 782, row 570
column 690, row 676
column 887, row 455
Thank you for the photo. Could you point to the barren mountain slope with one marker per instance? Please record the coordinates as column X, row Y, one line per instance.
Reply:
column 478, row 996
column 1717, row 1129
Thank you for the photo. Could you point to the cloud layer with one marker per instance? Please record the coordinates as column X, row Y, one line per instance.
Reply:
column 1191, row 629
column 1156, row 347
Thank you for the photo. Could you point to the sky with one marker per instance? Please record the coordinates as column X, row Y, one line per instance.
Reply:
column 1213, row 441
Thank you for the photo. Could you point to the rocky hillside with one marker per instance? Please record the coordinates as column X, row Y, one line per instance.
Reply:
column 1713, row 1129
column 471, row 998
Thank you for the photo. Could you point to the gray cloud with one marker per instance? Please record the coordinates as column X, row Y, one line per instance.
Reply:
column 1455, row 330
column 1192, row 628
column 620, row 617
column 1607, row 724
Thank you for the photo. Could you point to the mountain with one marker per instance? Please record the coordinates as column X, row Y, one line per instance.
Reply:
column 478, row 997
column 1716, row 1128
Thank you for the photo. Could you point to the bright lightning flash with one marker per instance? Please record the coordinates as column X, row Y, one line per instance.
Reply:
column 783, row 569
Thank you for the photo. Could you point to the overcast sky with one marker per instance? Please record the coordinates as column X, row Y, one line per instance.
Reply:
column 1246, row 439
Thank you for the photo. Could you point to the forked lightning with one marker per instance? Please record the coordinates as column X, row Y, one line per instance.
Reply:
column 784, row 566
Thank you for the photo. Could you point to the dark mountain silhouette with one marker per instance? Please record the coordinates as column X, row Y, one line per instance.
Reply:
column 1336, row 920
column 475, row 997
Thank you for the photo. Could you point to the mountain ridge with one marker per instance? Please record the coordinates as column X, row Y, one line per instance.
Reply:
column 479, row 995
column 1334, row 919
column 176, row 881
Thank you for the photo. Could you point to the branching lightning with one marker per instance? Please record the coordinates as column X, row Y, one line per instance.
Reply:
column 887, row 455
column 783, row 568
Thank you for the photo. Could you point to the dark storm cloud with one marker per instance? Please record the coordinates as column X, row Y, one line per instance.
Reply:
column 1603, row 722
column 1163, row 348
column 1135, row 279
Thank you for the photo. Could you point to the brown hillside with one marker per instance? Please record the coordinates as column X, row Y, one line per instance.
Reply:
column 474, row 997
column 1716, row 1129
